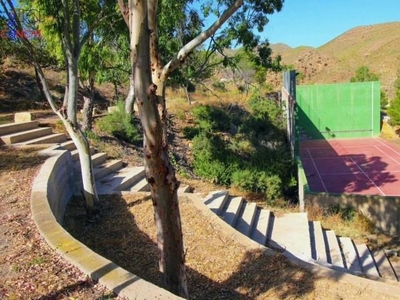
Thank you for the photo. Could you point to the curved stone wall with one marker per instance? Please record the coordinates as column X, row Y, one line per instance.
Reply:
column 51, row 191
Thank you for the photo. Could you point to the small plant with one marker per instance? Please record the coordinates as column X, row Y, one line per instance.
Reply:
column 120, row 124
column 15, row 268
column 37, row 261
column 92, row 136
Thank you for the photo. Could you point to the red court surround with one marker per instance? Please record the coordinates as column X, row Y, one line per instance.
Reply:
column 368, row 166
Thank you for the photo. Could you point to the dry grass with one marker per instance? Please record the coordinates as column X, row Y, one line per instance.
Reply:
column 12, row 159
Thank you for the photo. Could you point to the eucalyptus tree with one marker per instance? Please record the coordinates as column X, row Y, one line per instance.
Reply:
column 150, row 75
column 73, row 32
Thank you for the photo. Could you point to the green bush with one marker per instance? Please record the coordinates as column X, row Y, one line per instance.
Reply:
column 120, row 124
column 211, row 118
column 267, row 110
column 212, row 160
column 246, row 149
column 394, row 110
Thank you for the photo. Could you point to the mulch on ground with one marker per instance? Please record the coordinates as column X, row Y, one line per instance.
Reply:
column 29, row 269
column 217, row 266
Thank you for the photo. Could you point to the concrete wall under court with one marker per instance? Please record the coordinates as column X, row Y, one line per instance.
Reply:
column 382, row 211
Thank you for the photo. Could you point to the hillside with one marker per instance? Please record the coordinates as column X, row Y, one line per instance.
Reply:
column 375, row 46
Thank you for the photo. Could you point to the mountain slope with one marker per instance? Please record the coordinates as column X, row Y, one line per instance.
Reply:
column 374, row 46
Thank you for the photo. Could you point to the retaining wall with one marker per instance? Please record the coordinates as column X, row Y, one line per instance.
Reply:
column 51, row 191
column 383, row 211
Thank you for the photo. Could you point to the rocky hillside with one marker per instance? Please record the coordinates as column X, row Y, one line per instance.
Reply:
column 375, row 46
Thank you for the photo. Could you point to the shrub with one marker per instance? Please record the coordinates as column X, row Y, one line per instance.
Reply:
column 394, row 110
column 254, row 156
column 212, row 160
column 211, row 118
column 267, row 110
column 120, row 124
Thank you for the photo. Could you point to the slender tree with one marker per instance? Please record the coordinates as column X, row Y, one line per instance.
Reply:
column 73, row 34
column 150, row 76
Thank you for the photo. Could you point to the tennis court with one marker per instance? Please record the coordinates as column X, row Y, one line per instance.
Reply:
column 368, row 166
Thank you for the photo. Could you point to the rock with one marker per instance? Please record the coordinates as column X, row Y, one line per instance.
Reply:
column 22, row 117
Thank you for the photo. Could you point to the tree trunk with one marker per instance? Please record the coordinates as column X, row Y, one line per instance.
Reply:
column 130, row 98
column 185, row 87
column 159, row 171
column 80, row 141
column 40, row 85
column 88, row 104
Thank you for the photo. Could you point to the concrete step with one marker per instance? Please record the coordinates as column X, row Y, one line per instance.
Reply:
column 75, row 153
column 108, row 167
column 246, row 218
column 366, row 260
column 333, row 249
column 68, row 145
column 291, row 233
column 317, row 242
column 383, row 265
column 48, row 139
column 185, row 188
column 120, row 181
column 231, row 213
column 216, row 200
column 350, row 255
column 261, row 226
column 6, row 129
column 99, row 158
column 395, row 263
column 26, row 135
column 99, row 172
column 141, row 186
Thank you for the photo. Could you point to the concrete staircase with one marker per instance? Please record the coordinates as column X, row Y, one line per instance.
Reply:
column 294, row 235
column 111, row 175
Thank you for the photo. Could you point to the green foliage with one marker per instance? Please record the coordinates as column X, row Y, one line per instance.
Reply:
column 211, row 118
column 394, row 110
column 120, row 124
column 347, row 213
column 212, row 159
column 397, row 81
column 245, row 149
column 384, row 99
column 363, row 74
column 220, row 86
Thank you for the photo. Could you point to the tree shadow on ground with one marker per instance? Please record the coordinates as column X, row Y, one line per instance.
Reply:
column 12, row 159
column 220, row 273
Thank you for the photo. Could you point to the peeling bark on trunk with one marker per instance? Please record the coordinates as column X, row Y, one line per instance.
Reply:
column 130, row 98
column 159, row 171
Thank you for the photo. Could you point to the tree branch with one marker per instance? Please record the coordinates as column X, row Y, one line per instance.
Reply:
column 189, row 47
column 124, row 11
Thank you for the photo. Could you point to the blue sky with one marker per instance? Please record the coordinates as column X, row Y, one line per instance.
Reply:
column 316, row 22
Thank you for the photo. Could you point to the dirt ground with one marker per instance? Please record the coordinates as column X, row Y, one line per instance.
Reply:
column 217, row 266
column 29, row 269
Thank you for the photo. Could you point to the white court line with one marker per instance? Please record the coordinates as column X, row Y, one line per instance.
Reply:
column 383, row 194
column 319, row 175
column 383, row 144
column 387, row 155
